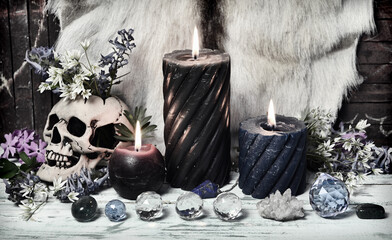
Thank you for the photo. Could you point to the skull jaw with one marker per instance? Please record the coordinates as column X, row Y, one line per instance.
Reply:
column 49, row 174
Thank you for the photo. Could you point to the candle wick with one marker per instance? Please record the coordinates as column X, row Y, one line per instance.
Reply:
column 137, row 149
column 195, row 57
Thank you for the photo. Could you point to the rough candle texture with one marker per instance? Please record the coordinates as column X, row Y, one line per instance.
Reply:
column 197, row 117
column 272, row 160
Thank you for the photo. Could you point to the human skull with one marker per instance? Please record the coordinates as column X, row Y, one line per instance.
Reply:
column 79, row 134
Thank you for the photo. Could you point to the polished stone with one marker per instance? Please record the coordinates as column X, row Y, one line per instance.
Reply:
column 227, row 206
column 149, row 206
column 189, row 206
column 84, row 209
column 115, row 210
column 370, row 211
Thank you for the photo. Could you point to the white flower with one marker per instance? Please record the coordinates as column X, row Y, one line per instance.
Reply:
column 73, row 55
column 73, row 196
column 85, row 44
column 362, row 124
column 347, row 145
column 27, row 190
column 80, row 78
column 86, row 93
column 58, row 185
column 70, row 59
column 27, row 205
column 56, row 76
column 377, row 171
column 43, row 87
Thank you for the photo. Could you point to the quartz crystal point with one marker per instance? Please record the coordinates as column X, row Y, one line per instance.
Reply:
column 281, row 207
column 329, row 196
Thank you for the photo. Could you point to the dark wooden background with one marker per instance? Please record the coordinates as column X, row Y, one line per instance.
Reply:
column 21, row 106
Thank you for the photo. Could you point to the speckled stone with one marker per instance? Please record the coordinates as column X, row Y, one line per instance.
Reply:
column 84, row 209
column 370, row 211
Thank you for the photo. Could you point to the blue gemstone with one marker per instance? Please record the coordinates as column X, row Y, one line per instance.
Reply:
column 329, row 196
column 207, row 189
column 115, row 210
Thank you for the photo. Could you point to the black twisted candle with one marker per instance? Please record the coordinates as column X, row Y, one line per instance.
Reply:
column 197, row 117
column 272, row 160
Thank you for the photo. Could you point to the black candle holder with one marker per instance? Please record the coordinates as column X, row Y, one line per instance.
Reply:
column 197, row 117
column 272, row 160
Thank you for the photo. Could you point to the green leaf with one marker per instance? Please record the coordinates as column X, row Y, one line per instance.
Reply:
column 138, row 114
column 123, row 130
column 145, row 120
column 25, row 158
column 124, row 139
column 7, row 169
column 149, row 129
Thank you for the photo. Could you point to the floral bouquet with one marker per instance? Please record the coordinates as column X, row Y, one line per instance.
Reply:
column 67, row 75
column 344, row 153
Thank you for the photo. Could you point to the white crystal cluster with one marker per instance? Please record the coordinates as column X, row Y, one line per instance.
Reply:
column 281, row 207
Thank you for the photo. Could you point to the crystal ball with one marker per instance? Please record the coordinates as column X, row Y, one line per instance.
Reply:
column 189, row 206
column 149, row 206
column 329, row 196
column 115, row 210
column 84, row 209
column 227, row 206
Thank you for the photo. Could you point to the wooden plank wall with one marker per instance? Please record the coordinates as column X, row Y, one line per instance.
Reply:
column 373, row 99
column 23, row 25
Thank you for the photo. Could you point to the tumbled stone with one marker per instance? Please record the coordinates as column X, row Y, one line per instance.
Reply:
column 207, row 189
column 370, row 211
column 84, row 209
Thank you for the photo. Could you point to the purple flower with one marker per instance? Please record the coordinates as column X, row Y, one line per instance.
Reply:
column 360, row 135
column 38, row 150
column 9, row 146
column 24, row 141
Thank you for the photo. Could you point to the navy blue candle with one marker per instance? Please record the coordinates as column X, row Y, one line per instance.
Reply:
column 272, row 157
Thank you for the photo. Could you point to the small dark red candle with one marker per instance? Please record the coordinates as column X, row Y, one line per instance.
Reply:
column 136, row 169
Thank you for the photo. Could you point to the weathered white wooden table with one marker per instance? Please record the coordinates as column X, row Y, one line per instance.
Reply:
column 54, row 220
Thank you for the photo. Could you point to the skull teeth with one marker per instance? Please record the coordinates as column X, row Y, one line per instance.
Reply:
column 61, row 161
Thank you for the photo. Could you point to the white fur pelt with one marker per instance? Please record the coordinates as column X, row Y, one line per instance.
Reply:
column 300, row 53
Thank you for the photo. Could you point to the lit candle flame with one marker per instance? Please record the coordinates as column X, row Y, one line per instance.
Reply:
column 271, row 115
column 195, row 49
column 138, row 137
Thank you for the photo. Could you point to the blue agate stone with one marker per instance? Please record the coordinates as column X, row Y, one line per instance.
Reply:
column 115, row 210
column 207, row 189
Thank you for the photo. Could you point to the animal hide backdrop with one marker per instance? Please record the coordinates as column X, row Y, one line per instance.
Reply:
column 300, row 53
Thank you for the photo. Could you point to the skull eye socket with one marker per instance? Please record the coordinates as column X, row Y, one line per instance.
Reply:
column 53, row 119
column 76, row 127
column 104, row 137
